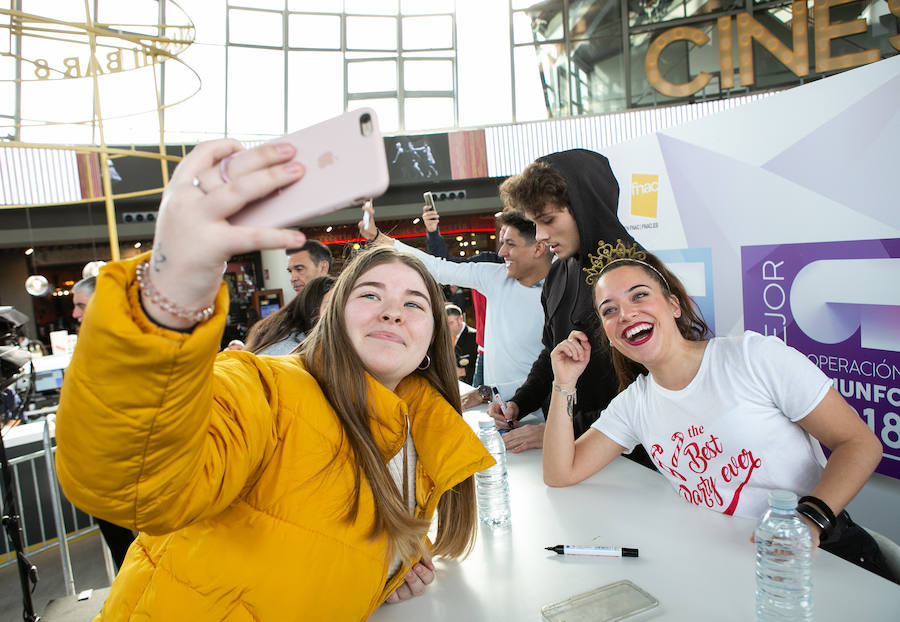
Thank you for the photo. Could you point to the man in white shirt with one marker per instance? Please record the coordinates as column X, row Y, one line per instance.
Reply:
column 515, row 317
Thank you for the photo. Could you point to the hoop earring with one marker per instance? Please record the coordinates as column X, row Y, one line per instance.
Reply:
column 425, row 364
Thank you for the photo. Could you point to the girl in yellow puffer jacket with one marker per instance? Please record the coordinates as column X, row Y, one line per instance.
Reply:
column 264, row 488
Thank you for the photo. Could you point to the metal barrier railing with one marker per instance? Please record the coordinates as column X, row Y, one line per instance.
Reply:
column 48, row 520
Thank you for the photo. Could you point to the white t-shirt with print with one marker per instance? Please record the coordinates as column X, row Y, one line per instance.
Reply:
column 729, row 437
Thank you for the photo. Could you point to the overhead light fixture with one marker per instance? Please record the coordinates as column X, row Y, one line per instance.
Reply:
column 29, row 251
column 37, row 285
column 92, row 268
column 459, row 238
column 328, row 229
column 416, row 220
column 497, row 214
column 137, row 244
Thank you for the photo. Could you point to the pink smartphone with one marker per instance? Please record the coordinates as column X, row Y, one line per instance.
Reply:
column 345, row 164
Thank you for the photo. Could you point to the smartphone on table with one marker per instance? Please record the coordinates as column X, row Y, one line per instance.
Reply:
column 345, row 164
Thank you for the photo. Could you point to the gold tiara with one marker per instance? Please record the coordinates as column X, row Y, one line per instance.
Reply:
column 607, row 254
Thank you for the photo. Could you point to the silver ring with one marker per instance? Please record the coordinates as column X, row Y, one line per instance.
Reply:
column 196, row 183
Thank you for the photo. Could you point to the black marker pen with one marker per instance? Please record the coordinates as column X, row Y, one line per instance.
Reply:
column 593, row 551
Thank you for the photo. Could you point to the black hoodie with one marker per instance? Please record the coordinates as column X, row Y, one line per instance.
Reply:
column 568, row 299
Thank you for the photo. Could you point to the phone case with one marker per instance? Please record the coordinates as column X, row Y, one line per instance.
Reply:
column 609, row 603
column 345, row 164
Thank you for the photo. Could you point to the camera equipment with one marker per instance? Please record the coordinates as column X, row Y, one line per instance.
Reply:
column 12, row 359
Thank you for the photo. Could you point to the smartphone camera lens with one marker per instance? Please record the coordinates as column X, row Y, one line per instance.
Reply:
column 365, row 123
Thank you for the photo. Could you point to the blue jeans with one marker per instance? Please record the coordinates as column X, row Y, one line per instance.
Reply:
column 478, row 375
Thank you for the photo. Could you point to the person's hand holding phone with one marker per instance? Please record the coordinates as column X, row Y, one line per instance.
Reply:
column 367, row 227
column 430, row 217
column 193, row 238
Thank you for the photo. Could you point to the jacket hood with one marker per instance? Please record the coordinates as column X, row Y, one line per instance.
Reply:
column 593, row 198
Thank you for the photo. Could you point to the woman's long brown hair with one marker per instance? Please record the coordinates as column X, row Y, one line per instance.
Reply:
column 329, row 356
column 298, row 316
column 690, row 323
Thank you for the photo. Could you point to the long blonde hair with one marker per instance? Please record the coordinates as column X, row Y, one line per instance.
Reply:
column 330, row 357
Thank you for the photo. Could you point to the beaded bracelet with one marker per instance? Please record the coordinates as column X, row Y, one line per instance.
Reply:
column 148, row 290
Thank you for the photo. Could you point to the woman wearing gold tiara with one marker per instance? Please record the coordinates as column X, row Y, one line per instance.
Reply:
column 724, row 419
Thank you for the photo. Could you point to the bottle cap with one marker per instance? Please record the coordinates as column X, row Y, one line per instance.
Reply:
column 782, row 499
column 627, row 552
column 485, row 424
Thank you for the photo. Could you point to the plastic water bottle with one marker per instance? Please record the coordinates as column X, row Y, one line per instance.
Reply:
column 783, row 562
column 492, row 484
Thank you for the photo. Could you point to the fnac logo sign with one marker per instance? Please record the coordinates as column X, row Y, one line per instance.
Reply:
column 644, row 195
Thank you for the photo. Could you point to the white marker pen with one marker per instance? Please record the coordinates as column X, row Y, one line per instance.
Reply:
column 593, row 551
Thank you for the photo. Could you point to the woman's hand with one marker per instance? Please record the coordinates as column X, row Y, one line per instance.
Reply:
column 569, row 359
column 815, row 533
column 417, row 579
column 193, row 237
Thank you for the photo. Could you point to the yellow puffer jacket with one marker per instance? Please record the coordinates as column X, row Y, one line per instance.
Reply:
column 233, row 470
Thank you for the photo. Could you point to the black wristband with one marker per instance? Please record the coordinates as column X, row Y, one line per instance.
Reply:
column 818, row 518
column 823, row 507
column 186, row 331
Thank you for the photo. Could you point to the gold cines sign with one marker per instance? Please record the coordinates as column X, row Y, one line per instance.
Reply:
column 750, row 30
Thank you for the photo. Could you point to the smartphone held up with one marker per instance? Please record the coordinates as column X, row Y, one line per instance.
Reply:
column 345, row 164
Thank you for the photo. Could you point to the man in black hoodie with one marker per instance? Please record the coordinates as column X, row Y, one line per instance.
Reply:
column 573, row 198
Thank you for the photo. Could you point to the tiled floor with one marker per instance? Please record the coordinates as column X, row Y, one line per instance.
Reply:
column 88, row 570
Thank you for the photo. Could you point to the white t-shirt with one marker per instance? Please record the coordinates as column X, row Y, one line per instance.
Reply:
column 729, row 437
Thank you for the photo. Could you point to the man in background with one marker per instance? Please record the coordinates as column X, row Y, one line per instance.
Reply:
column 118, row 539
column 464, row 346
column 307, row 262
column 81, row 293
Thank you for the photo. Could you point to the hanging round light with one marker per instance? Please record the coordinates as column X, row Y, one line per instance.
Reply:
column 92, row 268
column 37, row 285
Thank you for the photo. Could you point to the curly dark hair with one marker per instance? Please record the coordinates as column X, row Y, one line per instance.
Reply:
column 531, row 190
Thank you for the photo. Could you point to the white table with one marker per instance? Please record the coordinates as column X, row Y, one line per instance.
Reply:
column 699, row 564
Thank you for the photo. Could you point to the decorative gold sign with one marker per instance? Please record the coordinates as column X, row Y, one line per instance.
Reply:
column 46, row 48
column 749, row 30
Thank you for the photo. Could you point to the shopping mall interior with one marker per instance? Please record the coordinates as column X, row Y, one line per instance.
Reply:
column 100, row 101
